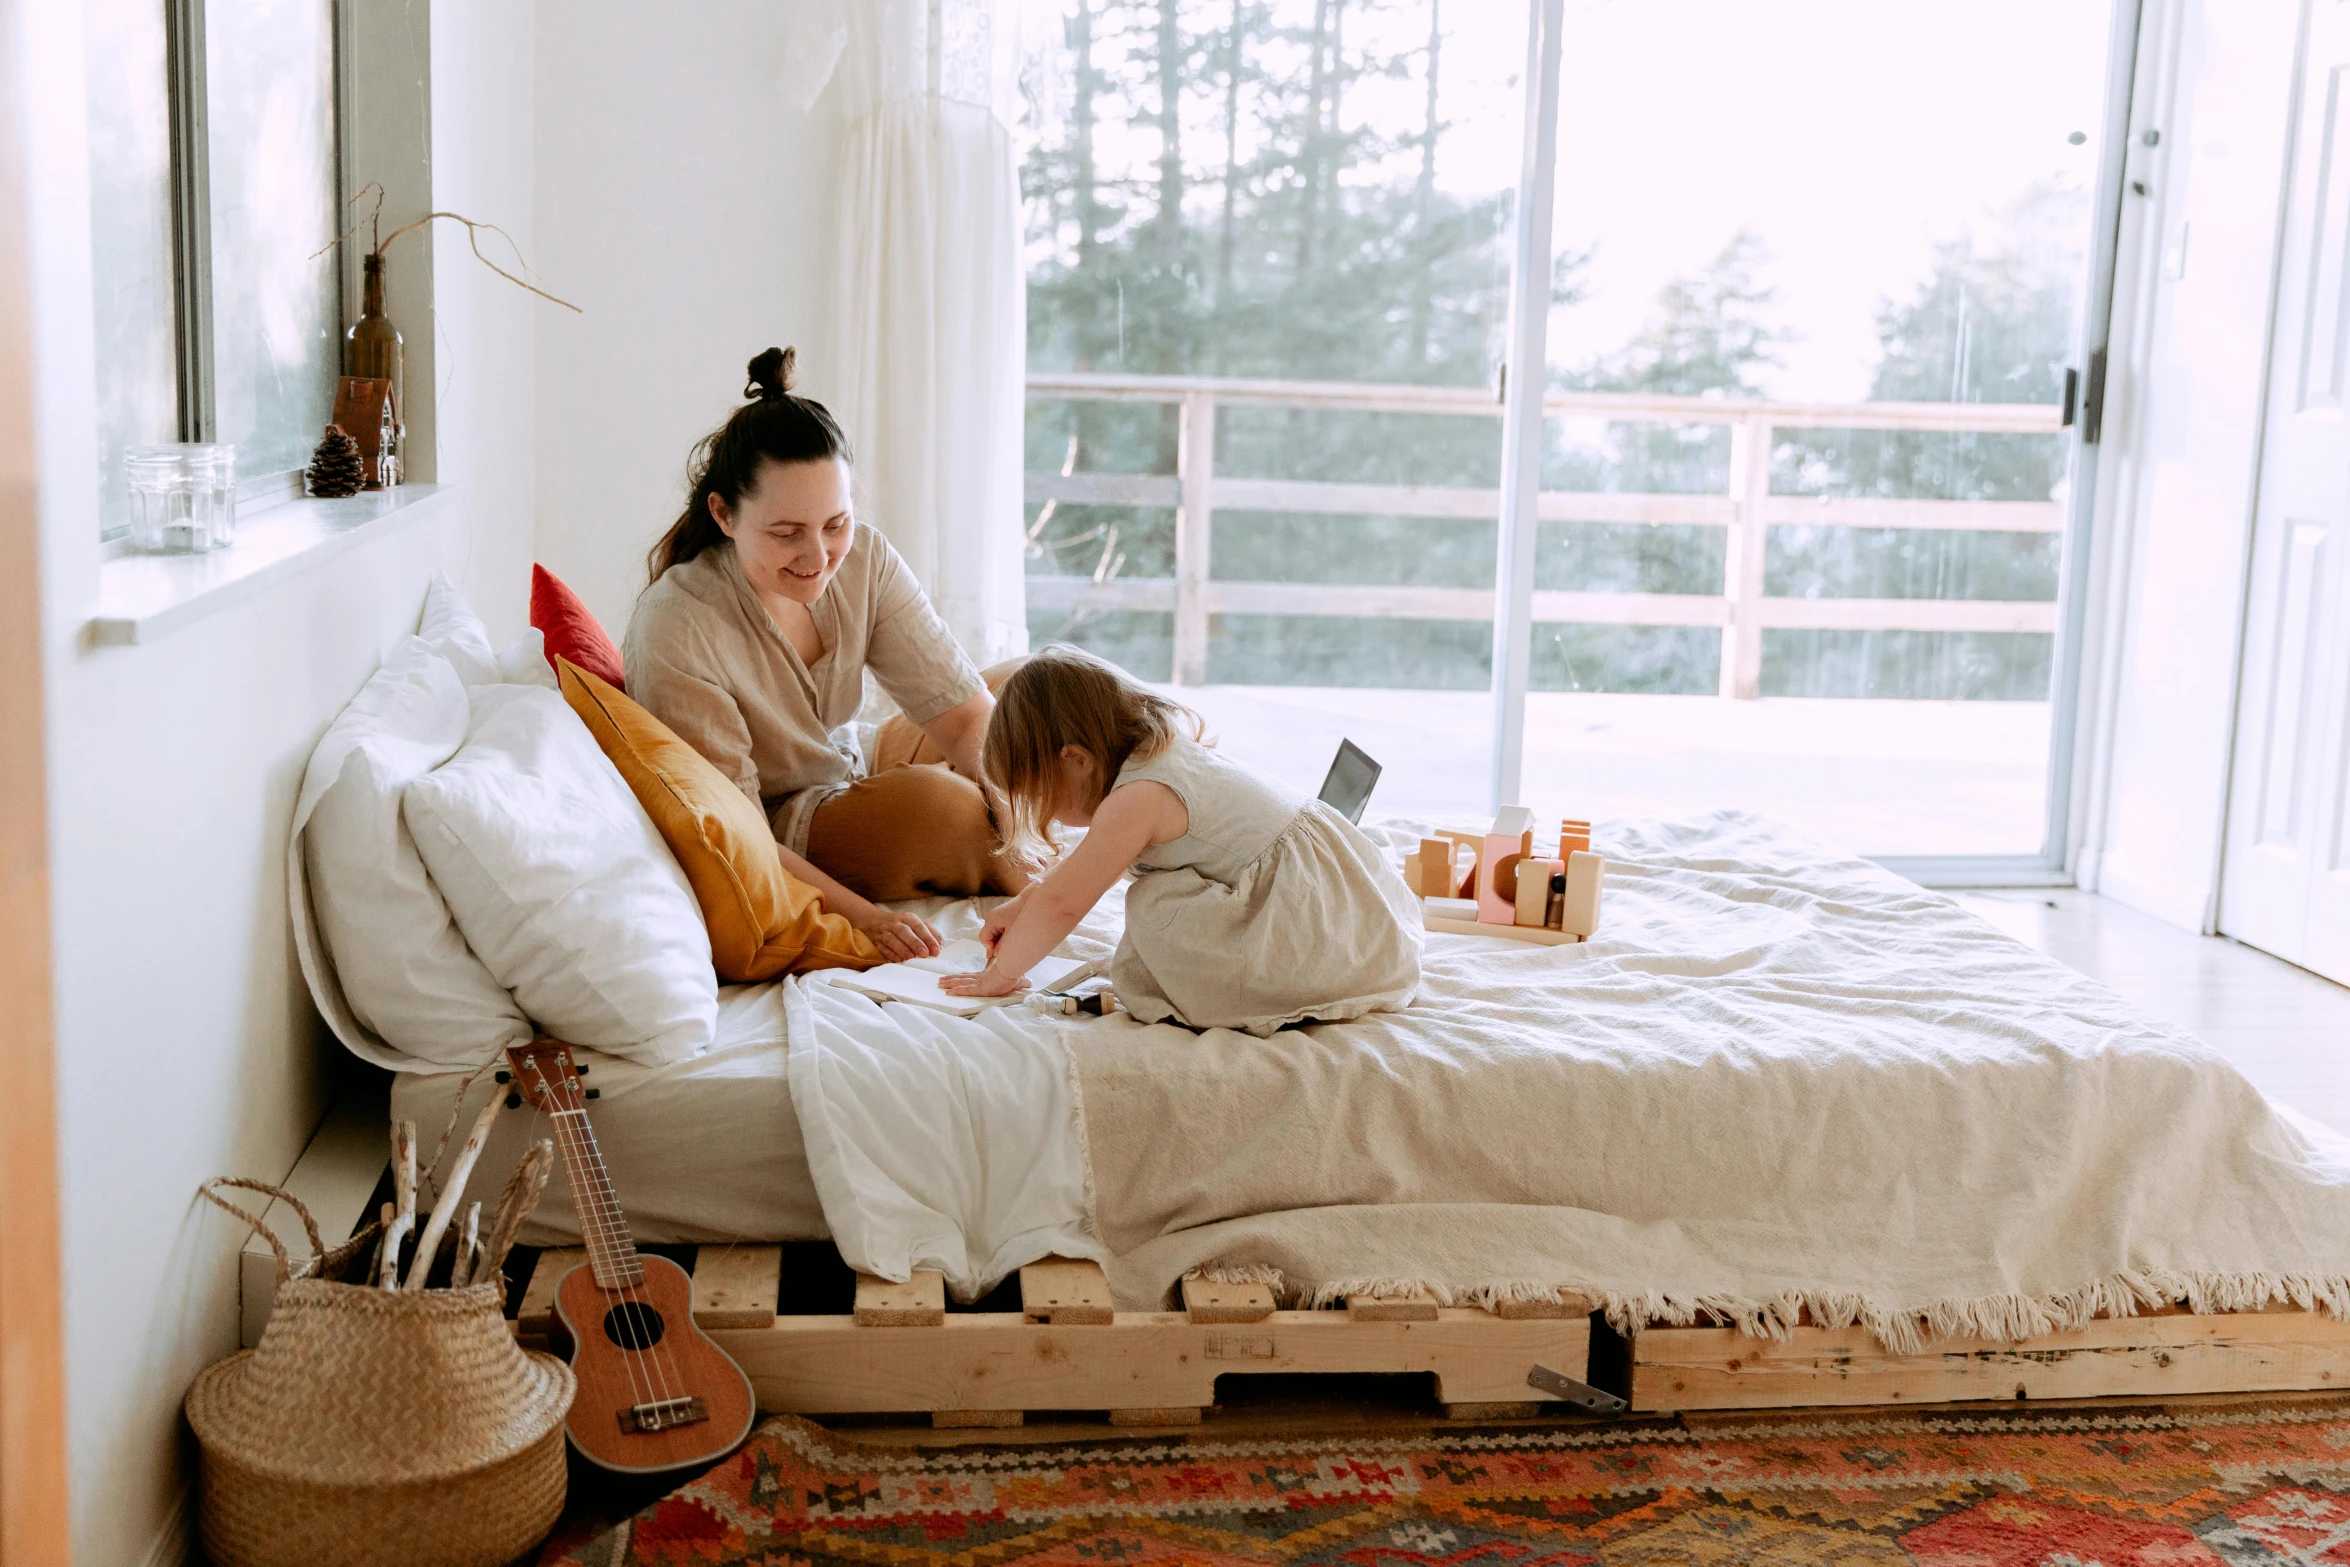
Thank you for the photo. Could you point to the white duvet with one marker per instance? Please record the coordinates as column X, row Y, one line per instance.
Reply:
column 1777, row 1083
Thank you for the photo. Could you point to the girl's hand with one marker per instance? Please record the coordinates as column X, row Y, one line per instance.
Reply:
column 999, row 922
column 901, row 937
column 988, row 982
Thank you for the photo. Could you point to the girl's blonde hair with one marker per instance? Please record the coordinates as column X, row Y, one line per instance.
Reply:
column 1065, row 696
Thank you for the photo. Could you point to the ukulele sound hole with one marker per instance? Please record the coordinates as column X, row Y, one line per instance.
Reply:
column 634, row 1325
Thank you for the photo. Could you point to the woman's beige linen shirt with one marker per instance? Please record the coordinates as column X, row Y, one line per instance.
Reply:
column 705, row 657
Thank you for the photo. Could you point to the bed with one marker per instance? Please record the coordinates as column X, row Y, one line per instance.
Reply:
column 706, row 1150
column 1781, row 1089
column 1798, row 1130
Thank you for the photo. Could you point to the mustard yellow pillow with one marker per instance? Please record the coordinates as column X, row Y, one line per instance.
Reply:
column 763, row 920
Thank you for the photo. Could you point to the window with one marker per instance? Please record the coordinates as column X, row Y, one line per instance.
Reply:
column 1819, row 272
column 213, row 181
column 1301, row 203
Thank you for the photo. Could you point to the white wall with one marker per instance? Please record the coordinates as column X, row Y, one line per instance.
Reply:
column 691, row 214
column 484, row 384
column 186, row 1045
column 2182, row 446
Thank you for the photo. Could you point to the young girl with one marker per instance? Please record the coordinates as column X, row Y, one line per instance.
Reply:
column 1250, row 908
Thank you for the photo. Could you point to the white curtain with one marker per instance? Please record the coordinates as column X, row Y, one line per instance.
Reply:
column 930, row 347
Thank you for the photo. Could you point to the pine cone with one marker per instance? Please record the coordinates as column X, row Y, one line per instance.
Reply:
column 337, row 467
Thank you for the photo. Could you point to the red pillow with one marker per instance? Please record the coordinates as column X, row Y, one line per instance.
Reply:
column 570, row 630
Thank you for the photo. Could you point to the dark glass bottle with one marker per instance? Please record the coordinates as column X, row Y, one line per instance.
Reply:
column 372, row 347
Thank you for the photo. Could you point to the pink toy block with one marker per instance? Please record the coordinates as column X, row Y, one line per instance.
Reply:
column 1497, row 876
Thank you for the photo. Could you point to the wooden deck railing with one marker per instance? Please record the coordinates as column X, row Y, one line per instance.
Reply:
column 1747, row 509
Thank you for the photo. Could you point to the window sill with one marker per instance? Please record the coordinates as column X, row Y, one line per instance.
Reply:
column 142, row 598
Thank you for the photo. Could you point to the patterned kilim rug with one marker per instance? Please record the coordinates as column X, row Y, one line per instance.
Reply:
column 2233, row 1484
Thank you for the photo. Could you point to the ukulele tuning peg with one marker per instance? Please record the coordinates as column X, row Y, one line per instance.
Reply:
column 513, row 1101
column 581, row 1070
column 595, row 1093
column 504, row 1077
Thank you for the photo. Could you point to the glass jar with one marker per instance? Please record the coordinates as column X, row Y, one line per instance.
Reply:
column 183, row 496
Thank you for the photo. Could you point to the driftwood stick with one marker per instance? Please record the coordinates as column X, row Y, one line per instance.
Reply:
column 403, row 1200
column 521, row 1196
column 451, row 1190
column 375, row 1258
column 468, row 1248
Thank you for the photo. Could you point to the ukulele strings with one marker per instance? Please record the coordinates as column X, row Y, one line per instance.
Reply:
column 595, row 1227
column 574, row 1173
column 660, row 1368
column 596, row 1230
column 636, row 1329
column 661, row 1373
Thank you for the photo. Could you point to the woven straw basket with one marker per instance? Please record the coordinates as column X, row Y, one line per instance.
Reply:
column 377, row 1428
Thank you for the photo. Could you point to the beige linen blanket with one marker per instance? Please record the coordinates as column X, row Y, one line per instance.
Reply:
column 1777, row 1082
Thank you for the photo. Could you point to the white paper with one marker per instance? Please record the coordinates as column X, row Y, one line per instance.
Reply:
column 917, row 982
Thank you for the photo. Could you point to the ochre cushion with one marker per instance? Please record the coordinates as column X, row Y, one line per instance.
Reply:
column 570, row 630
column 763, row 920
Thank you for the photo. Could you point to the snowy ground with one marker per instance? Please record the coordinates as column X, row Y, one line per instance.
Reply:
column 1876, row 777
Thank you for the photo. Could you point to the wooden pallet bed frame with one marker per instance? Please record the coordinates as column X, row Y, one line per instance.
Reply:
column 1067, row 1350
column 900, row 1351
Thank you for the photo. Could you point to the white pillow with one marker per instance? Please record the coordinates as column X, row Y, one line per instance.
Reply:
column 451, row 628
column 388, row 967
column 558, row 879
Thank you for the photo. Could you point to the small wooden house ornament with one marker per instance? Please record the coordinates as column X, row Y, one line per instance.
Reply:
column 363, row 407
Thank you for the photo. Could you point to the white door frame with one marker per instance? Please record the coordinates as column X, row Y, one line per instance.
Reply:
column 1526, row 368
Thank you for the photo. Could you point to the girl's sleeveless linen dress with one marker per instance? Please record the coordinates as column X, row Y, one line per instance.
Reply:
column 1269, row 910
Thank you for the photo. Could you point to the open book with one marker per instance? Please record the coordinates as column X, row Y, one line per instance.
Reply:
column 917, row 982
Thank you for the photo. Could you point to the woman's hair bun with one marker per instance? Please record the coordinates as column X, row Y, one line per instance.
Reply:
column 771, row 373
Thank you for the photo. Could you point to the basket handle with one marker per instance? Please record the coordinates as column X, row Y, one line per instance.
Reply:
column 285, row 1264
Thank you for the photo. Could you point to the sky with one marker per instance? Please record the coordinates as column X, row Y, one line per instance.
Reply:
column 1850, row 135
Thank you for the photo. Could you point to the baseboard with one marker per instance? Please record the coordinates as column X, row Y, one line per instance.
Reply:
column 2161, row 895
column 175, row 1544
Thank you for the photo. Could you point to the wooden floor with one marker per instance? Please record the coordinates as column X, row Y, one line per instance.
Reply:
column 2283, row 1027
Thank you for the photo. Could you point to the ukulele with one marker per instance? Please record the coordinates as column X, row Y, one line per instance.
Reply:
column 654, row 1392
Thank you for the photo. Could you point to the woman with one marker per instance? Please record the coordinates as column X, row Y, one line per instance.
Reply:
column 769, row 602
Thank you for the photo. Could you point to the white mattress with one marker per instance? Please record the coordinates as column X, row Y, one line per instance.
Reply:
column 703, row 1150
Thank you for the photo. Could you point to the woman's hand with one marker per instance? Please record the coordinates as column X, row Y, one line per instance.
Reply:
column 901, row 937
column 988, row 982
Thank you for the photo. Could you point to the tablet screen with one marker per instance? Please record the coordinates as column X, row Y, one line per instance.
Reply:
column 1348, row 788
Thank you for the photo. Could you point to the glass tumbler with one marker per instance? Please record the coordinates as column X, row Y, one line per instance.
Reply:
column 183, row 496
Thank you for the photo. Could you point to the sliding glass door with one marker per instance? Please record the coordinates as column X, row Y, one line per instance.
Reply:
column 1820, row 269
column 1269, row 280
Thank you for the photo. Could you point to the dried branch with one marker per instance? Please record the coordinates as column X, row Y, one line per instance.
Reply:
column 473, row 237
column 520, row 1197
column 468, row 1249
column 473, row 228
column 373, row 219
column 403, row 1200
column 446, row 1209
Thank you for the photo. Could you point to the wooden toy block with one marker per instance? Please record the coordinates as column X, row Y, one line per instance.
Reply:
column 1532, row 933
column 1449, row 909
column 1534, row 889
column 1465, row 886
column 1580, row 914
column 1497, row 875
column 1573, row 836
column 1411, row 873
column 1512, row 820
column 1436, row 862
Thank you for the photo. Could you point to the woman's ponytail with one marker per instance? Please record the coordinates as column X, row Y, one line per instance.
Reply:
column 773, row 425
